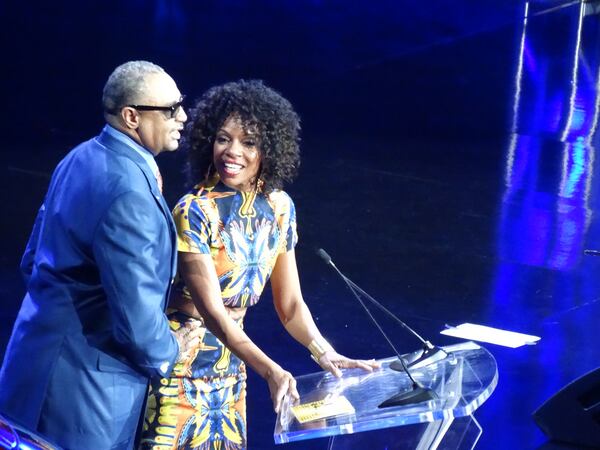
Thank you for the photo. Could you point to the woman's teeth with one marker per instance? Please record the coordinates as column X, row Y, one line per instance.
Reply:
column 233, row 167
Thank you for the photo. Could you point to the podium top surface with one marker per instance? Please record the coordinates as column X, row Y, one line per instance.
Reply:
column 461, row 381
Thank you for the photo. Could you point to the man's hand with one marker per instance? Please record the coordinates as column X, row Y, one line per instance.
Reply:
column 188, row 337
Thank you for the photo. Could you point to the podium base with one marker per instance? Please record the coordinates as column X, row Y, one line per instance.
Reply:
column 461, row 433
column 416, row 395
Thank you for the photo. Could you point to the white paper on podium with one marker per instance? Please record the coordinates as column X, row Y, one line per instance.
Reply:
column 496, row 336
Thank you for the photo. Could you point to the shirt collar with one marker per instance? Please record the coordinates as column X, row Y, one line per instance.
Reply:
column 143, row 152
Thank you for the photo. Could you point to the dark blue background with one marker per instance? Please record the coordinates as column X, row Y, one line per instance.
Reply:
column 448, row 163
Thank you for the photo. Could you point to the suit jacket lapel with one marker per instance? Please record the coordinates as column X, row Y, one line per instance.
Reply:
column 115, row 145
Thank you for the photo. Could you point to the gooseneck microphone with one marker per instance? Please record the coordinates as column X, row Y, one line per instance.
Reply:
column 429, row 354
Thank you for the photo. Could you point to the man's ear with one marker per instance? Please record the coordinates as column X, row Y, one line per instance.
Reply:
column 130, row 117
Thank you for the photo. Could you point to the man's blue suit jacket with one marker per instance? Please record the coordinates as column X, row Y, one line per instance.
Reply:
column 92, row 330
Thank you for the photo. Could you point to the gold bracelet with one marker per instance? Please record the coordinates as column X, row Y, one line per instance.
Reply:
column 318, row 347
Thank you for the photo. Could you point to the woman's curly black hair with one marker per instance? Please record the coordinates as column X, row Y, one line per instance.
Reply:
column 258, row 107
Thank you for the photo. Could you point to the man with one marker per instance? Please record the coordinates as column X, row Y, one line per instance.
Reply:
column 98, row 268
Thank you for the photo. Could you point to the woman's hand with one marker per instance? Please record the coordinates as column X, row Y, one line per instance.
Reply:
column 332, row 361
column 281, row 383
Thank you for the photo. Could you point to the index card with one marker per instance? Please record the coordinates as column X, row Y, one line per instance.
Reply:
column 322, row 409
column 497, row 336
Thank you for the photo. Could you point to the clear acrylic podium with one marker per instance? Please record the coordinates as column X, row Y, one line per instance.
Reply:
column 13, row 436
column 462, row 381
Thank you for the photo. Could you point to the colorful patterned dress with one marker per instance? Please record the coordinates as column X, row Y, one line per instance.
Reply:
column 203, row 405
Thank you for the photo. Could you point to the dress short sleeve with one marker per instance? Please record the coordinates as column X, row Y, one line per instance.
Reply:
column 285, row 215
column 292, row 231
column 193, row 226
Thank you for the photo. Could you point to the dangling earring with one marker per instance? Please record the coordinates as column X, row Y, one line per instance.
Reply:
column 259, row 183
column 207, row 176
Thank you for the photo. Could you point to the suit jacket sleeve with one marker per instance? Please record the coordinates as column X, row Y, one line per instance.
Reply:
column 132, row 248
column 29, row 255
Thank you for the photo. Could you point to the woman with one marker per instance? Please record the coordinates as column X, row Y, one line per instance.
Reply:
column 235, row 229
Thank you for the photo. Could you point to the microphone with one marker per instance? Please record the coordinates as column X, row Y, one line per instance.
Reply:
column 325, row 256
column 428, row 355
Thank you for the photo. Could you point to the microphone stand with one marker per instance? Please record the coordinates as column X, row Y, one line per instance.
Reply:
column 429, row 354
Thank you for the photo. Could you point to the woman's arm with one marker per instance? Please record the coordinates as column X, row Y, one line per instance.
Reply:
column 200, row 277
column 297, row 319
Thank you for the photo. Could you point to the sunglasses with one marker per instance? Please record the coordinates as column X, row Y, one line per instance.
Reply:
column 170, row 111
